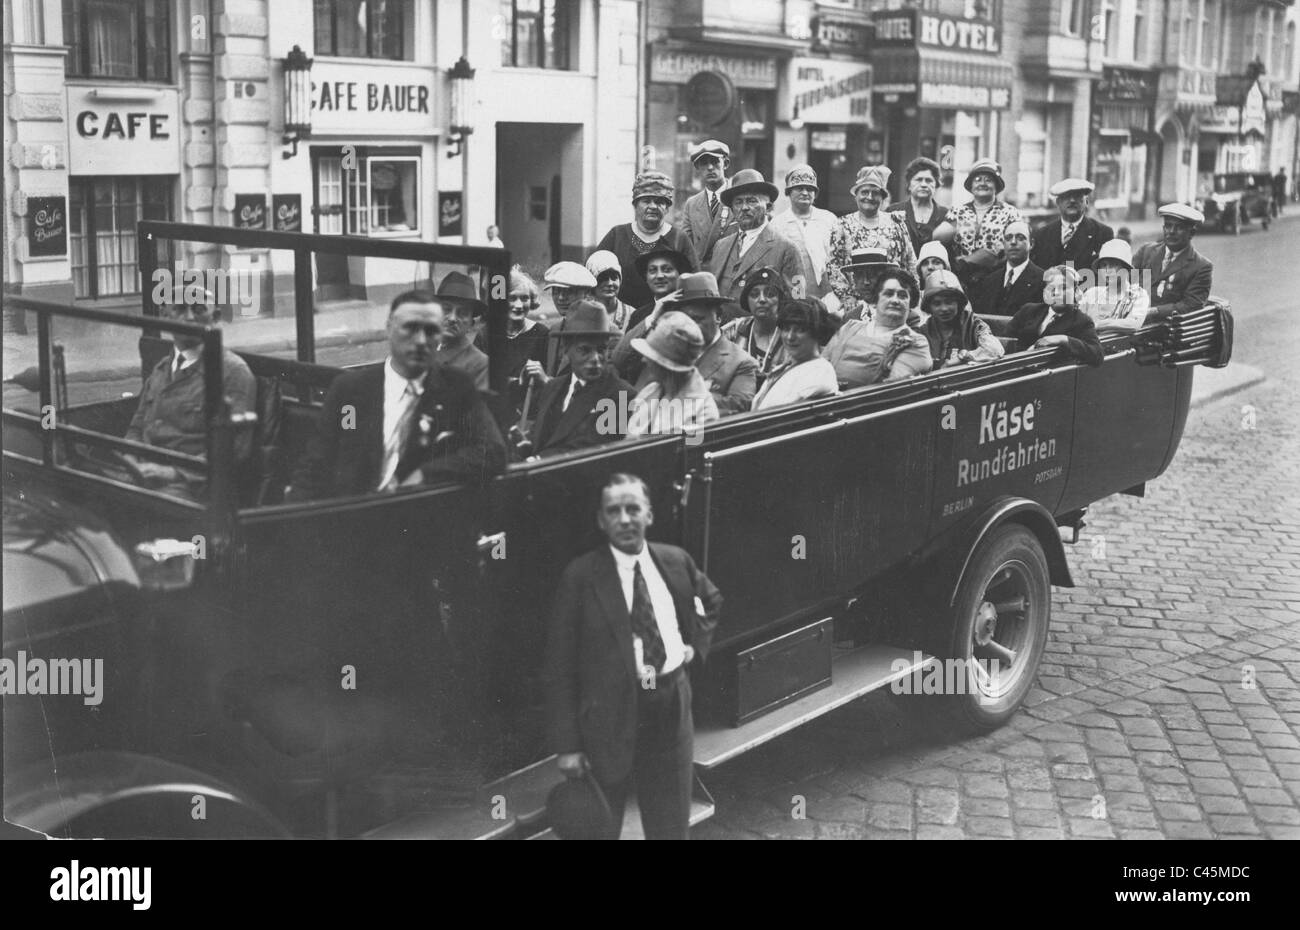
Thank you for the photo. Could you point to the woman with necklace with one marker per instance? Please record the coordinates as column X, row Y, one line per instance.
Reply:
column 980, row 223
column 757, row 333
column 806, row 326
column 652, row 198
column 870, row 227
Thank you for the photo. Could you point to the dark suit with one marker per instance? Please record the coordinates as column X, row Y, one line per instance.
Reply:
column 1082, row 249
column 732, row 376
column 701, row 227
column 556, row 431
column 988, row 296
column 1076, row 326
column 347, row 452
column 1182, row 287
column 770, row 250
column 596, row 702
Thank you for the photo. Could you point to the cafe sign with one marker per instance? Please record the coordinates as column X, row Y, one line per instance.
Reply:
column 348, row 99
column 117, row 130
column 827, row 91
column 47, row 226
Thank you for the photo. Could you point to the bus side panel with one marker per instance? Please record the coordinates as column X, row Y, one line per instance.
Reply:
column 1122, row 426
column 796, row 522
column 1003, row 440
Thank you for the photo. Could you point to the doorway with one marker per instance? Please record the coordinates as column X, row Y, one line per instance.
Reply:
column 539, row 192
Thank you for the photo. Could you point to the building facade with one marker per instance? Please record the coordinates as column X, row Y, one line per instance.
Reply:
column 122, row 110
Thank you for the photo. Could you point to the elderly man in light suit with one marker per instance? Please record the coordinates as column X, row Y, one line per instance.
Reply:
column 1180, row 276
column 731, row 372
column 705, row 219
column 755, row 244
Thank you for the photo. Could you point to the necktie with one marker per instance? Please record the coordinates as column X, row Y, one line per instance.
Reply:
column 1067, row 234
column 395, row 442
column 574, row 386
column 713, row 205
column 644, row 624
column 1011, row 274
column 1169, row 257
column 1048, row 319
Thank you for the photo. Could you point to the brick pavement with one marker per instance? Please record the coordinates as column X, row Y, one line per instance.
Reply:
column 1144, row 723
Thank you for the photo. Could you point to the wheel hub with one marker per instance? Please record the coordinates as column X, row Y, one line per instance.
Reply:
column 986, row 623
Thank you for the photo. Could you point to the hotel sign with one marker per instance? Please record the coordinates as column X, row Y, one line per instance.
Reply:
column 911, row 28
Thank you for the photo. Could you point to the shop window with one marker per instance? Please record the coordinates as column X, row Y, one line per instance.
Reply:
column 128, row 39
column 1209, row 13
column 380, row 196
column 1107, row 171
column 1032, row 130
column 538, row 33
column 102, row 216
column 365, row 29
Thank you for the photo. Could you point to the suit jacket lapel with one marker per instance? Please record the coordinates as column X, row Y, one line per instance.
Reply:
column 679, row 586
column 758, row 251
column 712, row 360
column 609, row 591
column 372, row 436
column 579, row 407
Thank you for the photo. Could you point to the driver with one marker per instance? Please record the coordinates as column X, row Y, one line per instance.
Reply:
column 170, row 414
column 1180, row 276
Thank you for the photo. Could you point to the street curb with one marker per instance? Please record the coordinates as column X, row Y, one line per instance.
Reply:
column 1211, row 384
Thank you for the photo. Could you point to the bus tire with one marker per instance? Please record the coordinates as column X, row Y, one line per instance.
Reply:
column 992, row 637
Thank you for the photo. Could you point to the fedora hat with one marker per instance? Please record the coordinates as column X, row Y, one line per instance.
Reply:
column 699, row 288
column 748, row 181
column 871, row 176
column 679, row 260
column 675, row 343
column 577, row 810
column 587, row 318
column 941, row 283
column 457, row 289
column 1116, row 250
column 986, row 166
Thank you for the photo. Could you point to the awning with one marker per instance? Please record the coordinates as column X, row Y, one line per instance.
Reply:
column 946, row 80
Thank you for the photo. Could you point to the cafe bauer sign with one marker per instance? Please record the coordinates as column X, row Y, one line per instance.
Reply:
column 349, row 99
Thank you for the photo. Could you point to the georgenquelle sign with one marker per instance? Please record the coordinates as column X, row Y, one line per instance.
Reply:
column 912, row 28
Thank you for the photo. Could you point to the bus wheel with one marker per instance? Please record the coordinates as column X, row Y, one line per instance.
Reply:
column 991, row 639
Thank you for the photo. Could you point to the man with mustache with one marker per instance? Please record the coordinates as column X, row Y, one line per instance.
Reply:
column 755, row 244
column 652, row 198
column 406, row 423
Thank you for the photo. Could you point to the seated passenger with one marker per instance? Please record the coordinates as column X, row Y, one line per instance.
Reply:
column 568, row 283
column 757, row 332
column 730, row 371
column 674, row 396
column 884, row 348
column 956, row 335
column 863, row 275
column 459, row 298
column 604, row 267
column 570, row 413
column 170, row 414
column 1117, row 303
column 524, row 356
column 1058, row 321
column 1015, row 283
column 405, row 423
column 932, row 257
column 806, row 326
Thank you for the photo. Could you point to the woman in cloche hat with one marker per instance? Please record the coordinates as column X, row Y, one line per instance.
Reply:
column 652, row 199
column 674, row 396
column 869, row 227
column 956, row 335
column 980, row 223
column 1117, row 303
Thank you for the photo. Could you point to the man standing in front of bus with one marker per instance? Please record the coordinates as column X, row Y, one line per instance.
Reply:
column 630, row 617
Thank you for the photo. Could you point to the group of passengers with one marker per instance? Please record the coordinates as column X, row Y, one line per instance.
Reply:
column 667, row 327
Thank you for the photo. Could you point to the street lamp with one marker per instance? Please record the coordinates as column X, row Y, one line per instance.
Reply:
column 462, row 104
column 297, row 98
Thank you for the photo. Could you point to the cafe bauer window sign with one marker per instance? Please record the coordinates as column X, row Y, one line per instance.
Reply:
column 372, row 99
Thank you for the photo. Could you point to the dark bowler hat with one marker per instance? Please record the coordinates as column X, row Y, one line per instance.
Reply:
column 577, row 810
column 587, row 318
column 678, row 259
column 457, row 289
column 748, row 181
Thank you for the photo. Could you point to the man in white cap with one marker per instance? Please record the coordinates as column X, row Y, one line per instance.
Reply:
column 1019, row 281
column 807, row 226
column 754, row 244
column 568, row 283
column 705, row 218
column 1180, row 276
column 1074, row 238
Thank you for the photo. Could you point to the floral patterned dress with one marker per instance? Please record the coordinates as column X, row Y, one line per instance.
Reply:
column 974, row 233
column 890, row 237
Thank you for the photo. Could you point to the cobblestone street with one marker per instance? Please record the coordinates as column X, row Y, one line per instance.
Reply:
column 1168, row 704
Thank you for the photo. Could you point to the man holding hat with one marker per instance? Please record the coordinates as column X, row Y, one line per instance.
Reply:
column 981, row 222
column 754, row 244
column 1074, row 238
column 805, row 225
column 630, row 617
column 459, row 298
column 705, row 219
column 569, row 408
column 652, row 198
column 1180, row 276
column 1017, row 282
column 730, row 371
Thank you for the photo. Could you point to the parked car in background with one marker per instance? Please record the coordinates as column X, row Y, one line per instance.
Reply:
column 1237, row 197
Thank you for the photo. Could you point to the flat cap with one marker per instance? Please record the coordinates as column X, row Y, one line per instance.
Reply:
column 711, row 147
column 1181, row 211
column 1067, row 185
column 568, row 274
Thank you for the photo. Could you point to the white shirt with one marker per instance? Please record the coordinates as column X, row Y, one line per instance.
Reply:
column 184, row 358
column 661, row 599
column 397, row 399
column 574, row 384
column 748, row 236
column 1015, row 272
column 1169, row 257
